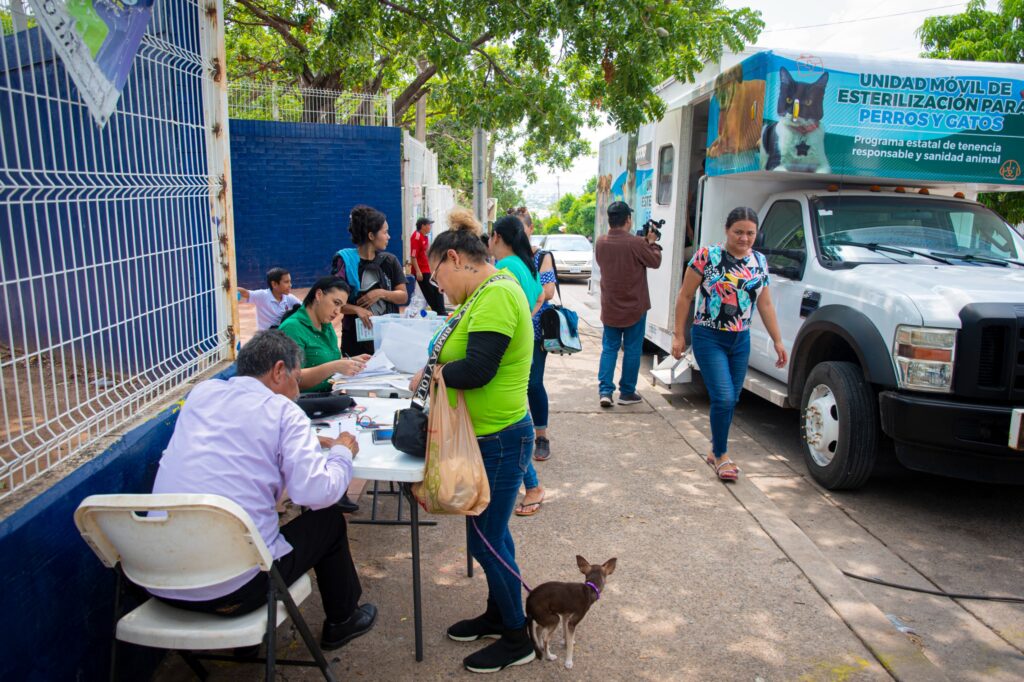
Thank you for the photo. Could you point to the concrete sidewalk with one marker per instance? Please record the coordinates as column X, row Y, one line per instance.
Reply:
column 702, row 590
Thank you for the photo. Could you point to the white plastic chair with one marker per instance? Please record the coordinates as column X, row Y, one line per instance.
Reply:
column 190, row 541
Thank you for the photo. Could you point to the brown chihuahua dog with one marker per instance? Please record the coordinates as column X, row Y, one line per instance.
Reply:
column 566, row 602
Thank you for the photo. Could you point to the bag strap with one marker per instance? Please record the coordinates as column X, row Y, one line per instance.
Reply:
column 419, row 399
column 554, row 268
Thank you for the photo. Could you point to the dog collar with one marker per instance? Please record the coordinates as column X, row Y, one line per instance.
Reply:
column 594, row 588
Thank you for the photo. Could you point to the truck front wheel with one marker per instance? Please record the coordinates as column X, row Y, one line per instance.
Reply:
column 839, row 425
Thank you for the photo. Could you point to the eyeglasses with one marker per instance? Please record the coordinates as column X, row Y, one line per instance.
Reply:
column 433, row 275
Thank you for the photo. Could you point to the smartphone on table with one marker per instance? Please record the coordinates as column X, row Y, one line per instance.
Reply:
column 382, row 435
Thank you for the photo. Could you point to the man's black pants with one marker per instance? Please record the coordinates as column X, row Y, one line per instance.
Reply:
column 435, row 299
column 319, row 540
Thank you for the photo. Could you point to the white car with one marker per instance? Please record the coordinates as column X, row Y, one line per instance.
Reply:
column 574, row 254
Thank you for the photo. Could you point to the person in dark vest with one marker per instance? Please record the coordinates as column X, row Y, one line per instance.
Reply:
column 376, row 277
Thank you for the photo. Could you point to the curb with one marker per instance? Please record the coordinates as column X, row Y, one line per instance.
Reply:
column 900, row 657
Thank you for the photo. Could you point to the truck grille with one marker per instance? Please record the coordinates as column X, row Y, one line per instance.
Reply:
column 991, row 372
column 990, row 353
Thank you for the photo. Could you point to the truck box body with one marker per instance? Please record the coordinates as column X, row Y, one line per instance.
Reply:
column 845, row 159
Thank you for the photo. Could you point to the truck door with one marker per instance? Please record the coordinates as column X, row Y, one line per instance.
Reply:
column 783, row 241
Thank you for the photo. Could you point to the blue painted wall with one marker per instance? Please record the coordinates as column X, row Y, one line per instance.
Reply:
column 294, row 185
column 57, row 601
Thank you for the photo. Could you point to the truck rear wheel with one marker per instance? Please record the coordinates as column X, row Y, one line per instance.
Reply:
column 840, row 425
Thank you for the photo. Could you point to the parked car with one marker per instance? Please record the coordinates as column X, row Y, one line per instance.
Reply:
column 574, row 254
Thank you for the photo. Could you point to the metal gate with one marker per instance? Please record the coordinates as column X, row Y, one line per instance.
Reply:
column 115, row 243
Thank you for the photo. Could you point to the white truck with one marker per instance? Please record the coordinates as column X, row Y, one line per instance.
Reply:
column 900, row 298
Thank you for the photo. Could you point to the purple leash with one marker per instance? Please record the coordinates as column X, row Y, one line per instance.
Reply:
column 498, row 556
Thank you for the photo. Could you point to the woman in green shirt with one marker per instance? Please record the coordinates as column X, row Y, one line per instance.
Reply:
column 311, row 326
column 487, row 356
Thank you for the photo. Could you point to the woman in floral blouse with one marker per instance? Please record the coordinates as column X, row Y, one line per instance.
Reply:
column 733, row 280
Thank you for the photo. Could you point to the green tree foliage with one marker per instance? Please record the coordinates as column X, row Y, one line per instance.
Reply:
column 505, row 190
column 536, row 69
column 580, row 217
column 565, row 203
column 573, row 214
column 551, row 224
column 977, row 34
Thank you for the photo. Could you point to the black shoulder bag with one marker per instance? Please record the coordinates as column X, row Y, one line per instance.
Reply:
column 410, row 424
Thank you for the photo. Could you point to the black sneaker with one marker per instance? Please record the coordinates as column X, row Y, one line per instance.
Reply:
column 346, row 505
column 336, row 635
column 513, row 648
column 606, row 400
column 473, row 629
column 542, row 449
column 629, row 399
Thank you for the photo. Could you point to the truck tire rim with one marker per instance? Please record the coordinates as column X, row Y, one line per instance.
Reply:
column 821, row 425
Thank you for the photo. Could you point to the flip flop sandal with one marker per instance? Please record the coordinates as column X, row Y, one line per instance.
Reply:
column 522, row 509
column 724, row 475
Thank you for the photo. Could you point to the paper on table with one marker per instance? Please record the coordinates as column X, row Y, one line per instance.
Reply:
column 378, row 364
column 335, row 426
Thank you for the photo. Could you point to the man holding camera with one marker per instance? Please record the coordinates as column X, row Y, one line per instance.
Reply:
column 623, row 259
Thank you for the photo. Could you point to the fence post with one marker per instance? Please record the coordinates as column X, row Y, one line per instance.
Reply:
column 391, row 110
column 274, row 111
column 215, row 110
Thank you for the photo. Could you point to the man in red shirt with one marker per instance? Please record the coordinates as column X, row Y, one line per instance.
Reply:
column 421, row 266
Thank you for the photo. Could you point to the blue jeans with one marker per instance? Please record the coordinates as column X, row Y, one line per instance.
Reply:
column 535, row 392
column 538, row 397
column 630, row 340
column 506, row 455
column 722, row 357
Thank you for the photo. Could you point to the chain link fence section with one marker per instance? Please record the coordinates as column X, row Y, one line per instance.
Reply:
column 294, row 104
column 112, row 260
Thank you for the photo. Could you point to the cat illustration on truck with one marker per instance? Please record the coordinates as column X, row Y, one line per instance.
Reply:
column 900, row 298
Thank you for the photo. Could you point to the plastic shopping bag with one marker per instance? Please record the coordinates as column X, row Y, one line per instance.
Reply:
column 454, row 481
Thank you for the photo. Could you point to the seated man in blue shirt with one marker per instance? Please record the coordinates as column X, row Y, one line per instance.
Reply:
column 246, row 439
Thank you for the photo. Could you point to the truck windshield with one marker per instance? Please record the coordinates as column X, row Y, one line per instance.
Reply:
column 952, row 230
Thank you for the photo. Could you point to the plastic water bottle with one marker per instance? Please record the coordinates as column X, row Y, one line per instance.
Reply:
column 417, row 306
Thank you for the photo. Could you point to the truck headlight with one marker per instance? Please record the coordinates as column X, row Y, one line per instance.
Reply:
column 924, row 357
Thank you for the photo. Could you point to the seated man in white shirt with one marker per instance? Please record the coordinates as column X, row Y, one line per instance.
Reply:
column 246, row 439
column 273, row 302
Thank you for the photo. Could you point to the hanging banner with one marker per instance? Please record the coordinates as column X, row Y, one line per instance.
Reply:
column 913, row 119
column 97, row 41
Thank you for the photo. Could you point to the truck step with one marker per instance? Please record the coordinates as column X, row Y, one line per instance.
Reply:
column 772, row 390
column 671, row 371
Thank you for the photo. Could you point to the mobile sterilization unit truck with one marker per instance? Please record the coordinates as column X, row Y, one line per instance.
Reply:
column 900, row 298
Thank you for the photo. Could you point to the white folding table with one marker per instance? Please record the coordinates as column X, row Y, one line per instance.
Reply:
column 382, row 462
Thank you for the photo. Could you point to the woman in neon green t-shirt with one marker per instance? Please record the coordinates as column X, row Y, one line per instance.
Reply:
column 488, row 357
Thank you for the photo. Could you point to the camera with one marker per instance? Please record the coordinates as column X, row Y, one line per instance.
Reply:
column 652, row 225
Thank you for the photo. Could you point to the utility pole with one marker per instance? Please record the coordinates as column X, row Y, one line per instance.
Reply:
column 421, row 107
column 558, row 189
column 480, row 175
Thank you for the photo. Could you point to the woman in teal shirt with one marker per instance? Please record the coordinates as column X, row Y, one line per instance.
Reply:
column 512, row 251
column 311, row 326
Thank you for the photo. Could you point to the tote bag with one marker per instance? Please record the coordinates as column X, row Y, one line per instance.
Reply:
column 559, row 326
column 454, row 479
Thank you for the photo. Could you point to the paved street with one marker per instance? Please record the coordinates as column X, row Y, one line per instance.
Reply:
column 714, row 582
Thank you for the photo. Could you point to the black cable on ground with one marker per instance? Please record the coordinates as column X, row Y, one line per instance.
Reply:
column 937, row 593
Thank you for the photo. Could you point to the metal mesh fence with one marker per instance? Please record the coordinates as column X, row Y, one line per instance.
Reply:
column 111, row 263
column 272, row 102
